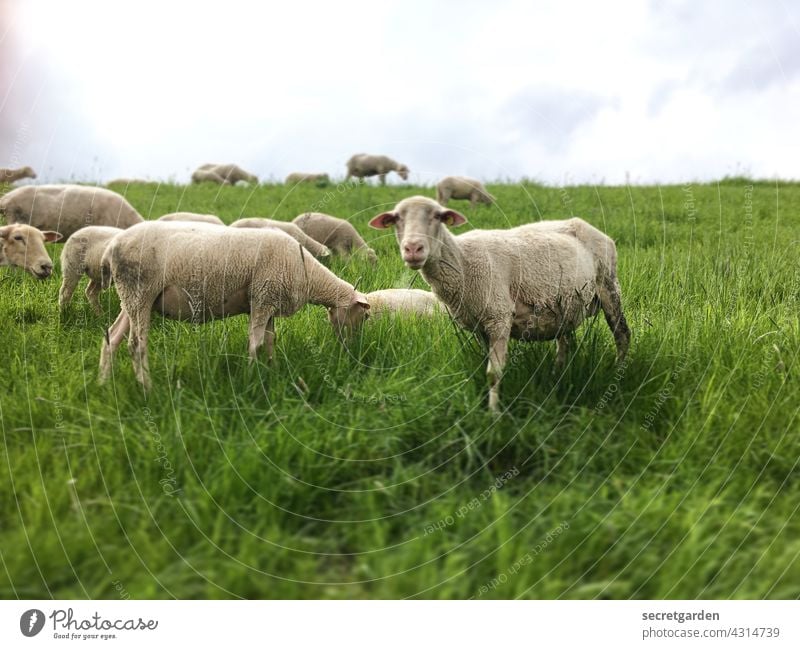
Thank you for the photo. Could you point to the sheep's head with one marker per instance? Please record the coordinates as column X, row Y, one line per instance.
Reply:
column 402, row 171
column 23, row 246
column 418, row 221
column 347, row 318
column 29, row 172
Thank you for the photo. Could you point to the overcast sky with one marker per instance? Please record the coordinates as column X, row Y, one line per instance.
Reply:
column 555, row 91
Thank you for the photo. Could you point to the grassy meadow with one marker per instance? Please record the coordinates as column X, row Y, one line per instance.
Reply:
column 375, row 471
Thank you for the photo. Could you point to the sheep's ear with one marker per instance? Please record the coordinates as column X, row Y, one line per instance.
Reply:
column 360, row 299
column 383, row 221
column 5, row 231
column 451, row 218
column 51, row 236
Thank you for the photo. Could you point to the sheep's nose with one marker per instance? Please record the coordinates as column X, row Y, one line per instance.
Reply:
column 46, row 269
column 413, row 249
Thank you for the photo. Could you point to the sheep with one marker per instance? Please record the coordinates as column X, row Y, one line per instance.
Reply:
column 13, row 175
column 207, row 176
column 297, row 177
column 459, row 187
column 363, row 165
column 22, row 246
column 82, row 255
column 339, row 235
column 407, row 301
column 230, row 172
column 67, row 208
column 313, row 246
column 191, row 216
column 534, row 282
column 199, row 272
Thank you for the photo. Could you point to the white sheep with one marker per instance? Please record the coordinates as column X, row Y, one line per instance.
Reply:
column 335, row 233
column 389, row 301
column 229, row 172
column 67, row 208
column 82, row 255
column 208, row 176
column 533, row 282
column 199, row 272
column 363, row 165
column 459, row 187
column 312, row 245
column 13, row 175
column 22, row 246
column 191, row 216
column 298, row 177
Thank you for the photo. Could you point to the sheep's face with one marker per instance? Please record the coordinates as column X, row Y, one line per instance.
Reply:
column 30, row 173
column 23, row 246
column 418, row 222
column 402, row 171
column 346, row 319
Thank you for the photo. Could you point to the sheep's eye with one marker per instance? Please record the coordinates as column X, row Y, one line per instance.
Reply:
column 19, row 237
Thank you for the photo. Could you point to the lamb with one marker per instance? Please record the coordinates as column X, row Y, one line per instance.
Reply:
column 207, row 176
column 229, row 172
column 533, row 282
column 317, row 179
column 339, row 235
column 198, row 272
column 459, row 187
column 13, row 175
column 314, row 247
column 22, row 246
column 191, row 216
column 406, row 301
column 67, row 208
column 363, row 165
column 82, row 255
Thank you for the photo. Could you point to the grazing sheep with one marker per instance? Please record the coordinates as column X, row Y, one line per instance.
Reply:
column 230, row 172
column 13, row 175
column 67, row 208
column 312, row 245
column 297, row 177
column 199, row 272
column 363, row 165
column 207, row 176
column 459, row 187
column 534, row 282
column 22, row 246
column 82, row 255
column 408, row 301
column 339, row 235
column 191, row 216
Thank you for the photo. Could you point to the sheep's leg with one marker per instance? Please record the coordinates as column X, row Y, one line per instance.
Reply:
column 93, row 295
column 444, row 198
column 69, row 283
column 270, row 338
column 563, row 343
column 259, row 322
column 473, row 200
column 611, row 303
column 382, row 178
column 137, row 344
column 111, row 342
column 498, row 348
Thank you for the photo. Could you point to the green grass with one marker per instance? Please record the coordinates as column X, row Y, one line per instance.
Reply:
column 351, row 473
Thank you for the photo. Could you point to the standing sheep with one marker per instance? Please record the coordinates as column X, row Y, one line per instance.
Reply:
column 312, row 245
column 534, row 282
column 339, row 235
column 229, row 172
column 82, row 255
column 13, row 175
column 459, row 187
column 199, row 272
column 363, row 165
column 22, row 246
column 191, row 216
column 67, row 208
column 297, row 177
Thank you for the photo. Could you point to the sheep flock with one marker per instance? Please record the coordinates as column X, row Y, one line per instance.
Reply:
column 535, row 282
